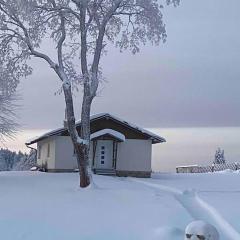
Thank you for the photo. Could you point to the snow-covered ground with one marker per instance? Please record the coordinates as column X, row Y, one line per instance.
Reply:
column 47, row 206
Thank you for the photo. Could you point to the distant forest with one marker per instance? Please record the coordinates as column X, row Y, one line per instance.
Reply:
column 16, row 161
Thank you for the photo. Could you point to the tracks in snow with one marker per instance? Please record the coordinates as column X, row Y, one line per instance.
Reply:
column 198, row 209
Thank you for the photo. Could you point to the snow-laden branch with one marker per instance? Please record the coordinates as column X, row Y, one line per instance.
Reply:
column 8, row 124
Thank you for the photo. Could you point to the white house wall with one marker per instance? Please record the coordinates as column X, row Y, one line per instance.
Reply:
column 134, row 155
column 65, row 158
column 44, row 160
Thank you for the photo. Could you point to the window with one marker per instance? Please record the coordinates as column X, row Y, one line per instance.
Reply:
column 39, row 152
column 48, row 150
column 102, row 154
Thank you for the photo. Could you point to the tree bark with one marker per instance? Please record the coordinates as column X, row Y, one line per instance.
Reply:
column 81, row 149
column 85, row 134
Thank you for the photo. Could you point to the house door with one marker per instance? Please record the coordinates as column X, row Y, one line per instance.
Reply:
column 104, row 154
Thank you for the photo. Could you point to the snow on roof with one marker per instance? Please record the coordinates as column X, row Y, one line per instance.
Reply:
column 110, row 132
column 28, row 142
column 48, row 134
column 155, row 138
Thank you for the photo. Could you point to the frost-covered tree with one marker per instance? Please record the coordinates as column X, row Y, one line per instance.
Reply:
column 219, row 157
column 26, row 162
column 10, row 160
column 8, row 125
column 6, row 159
column 79, row 29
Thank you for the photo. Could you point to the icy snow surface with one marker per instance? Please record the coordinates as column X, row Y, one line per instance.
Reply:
column 50, row 206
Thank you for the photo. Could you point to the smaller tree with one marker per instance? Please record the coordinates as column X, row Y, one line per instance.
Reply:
column 11, row 160
column 219, row 157
column 26, row 162
column 7, row 158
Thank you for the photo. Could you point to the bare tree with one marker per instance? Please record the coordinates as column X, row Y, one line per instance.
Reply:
column 80, row 29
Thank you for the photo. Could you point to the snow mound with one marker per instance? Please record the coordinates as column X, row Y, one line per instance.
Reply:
column 229, row 171
column 34, row 168
column 226, row 171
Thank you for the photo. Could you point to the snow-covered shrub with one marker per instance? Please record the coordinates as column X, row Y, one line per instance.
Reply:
column 199, row 230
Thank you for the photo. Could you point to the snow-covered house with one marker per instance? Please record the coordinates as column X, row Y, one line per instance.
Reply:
column 117, row 147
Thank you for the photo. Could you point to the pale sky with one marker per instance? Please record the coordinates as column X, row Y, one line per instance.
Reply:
column 191, row 80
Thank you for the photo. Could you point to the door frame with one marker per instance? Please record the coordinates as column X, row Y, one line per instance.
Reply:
column 114, row 153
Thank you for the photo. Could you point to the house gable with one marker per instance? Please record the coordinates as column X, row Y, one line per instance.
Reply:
column 128, row 132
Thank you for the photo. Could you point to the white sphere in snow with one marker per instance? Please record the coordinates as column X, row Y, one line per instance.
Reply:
column 199, row 230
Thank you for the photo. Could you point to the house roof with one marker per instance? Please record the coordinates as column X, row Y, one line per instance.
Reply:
column 57, row 132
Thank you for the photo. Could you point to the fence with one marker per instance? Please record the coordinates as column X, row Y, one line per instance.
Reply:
column 206, row 169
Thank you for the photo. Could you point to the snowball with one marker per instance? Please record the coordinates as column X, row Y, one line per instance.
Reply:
column 199, row 230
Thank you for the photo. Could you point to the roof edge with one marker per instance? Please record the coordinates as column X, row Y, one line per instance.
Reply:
column 155, row 138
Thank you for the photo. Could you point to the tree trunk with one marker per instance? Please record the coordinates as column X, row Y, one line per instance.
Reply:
column 85, row 134
column 81, row 149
